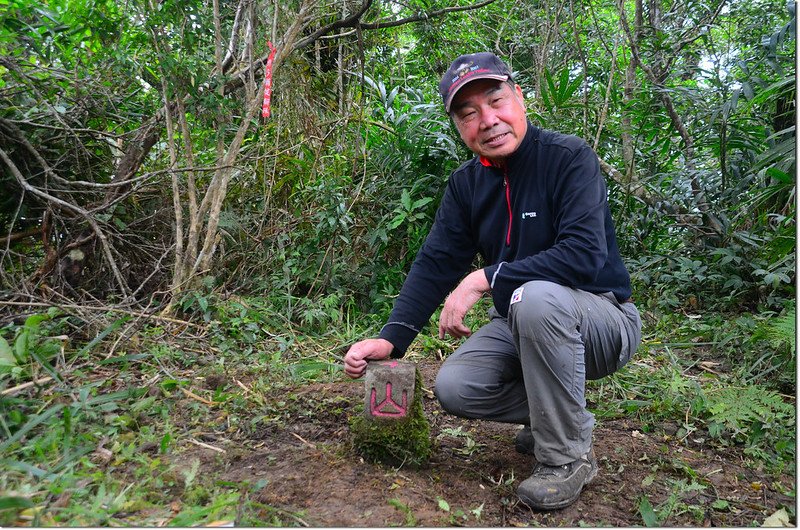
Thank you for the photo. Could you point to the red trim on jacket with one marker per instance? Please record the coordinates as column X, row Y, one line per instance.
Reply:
column 488, row 163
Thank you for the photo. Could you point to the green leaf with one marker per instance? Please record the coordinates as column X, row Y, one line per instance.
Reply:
column 720, row 504
column 30, row 424
column 648, row 514
column 405, row 200
column 780, row 176
column 21, row 346
column 572, row 88
column 41, row 355
column 27, row 469
column 747, row 89
column 7, row 358
column 443, row 505
column 165, row 440
column 33, row 321
column 397, row 221
column 143, row 404
column 14, row 503
column 112, row 396
column 419, row 203
column 551, row 87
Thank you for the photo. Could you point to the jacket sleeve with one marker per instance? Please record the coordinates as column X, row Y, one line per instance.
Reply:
column 441, row 262
column 580, row 249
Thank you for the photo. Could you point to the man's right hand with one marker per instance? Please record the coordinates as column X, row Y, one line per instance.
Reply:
column 355, row 361
column 459, row 302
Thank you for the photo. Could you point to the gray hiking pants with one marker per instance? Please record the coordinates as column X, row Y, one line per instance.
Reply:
column 531, row 368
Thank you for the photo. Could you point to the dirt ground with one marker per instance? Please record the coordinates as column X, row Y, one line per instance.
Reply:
column 314, row 477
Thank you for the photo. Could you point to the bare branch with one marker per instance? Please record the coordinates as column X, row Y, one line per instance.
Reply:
column 139, row 147
column 103, row 309
column 11, row 127
column 30, row 232
column 347, row 22
column 351, row 21
column 233, row 42
column 424, row 16
column 176, row 195
column 93, row 132
column 73, row 208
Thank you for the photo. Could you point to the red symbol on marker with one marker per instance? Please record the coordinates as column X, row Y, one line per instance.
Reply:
column 387, row 407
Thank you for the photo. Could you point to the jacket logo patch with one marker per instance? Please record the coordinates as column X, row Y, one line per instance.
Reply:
column 528, row 215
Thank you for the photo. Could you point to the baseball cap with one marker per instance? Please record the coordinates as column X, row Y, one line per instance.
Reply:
column 467, row 68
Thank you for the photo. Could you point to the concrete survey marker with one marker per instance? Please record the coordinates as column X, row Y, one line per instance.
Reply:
column 389, row 388
column 393, row 429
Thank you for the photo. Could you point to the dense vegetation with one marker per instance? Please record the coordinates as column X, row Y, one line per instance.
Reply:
column 155, row 228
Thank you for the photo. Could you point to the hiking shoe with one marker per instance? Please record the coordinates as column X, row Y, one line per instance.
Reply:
column 554, row 487
column 524, row 441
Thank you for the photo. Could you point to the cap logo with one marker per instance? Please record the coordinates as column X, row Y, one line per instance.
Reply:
column 465, row 70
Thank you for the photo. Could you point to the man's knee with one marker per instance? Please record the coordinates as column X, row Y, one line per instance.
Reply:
column 537, row 303
column 448, row 390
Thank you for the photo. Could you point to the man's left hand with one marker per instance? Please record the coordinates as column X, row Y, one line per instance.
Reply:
column 460, row 301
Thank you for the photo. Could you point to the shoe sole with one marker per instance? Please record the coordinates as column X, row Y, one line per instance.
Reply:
column 563, row 504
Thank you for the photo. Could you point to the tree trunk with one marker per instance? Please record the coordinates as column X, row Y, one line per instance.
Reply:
column 656, row 77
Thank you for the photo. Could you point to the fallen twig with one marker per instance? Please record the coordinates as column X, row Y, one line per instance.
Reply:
column 192, row 395
column 309, row 444
column 23, row 386
column 111, row 309
column 241, row 385
column 205, row 445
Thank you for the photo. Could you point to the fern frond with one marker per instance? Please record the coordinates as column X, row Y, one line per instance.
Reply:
column 783, row 330
column 738, row 408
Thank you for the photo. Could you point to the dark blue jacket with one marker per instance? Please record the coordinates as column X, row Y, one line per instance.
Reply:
column 544, row 216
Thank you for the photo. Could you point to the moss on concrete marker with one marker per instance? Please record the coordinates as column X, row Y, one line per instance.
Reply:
column 393, row 428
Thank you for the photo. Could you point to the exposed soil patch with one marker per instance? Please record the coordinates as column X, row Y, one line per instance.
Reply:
column 313, row 475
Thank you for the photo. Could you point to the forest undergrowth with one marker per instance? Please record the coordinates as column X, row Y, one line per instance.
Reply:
column 100, row 410
column 180, row 279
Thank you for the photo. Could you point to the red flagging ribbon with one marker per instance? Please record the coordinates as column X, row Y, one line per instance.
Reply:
column 268, row 81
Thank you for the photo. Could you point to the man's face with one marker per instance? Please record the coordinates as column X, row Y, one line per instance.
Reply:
column 490, row 117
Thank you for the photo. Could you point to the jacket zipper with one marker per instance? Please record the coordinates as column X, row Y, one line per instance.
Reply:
column 507, row 186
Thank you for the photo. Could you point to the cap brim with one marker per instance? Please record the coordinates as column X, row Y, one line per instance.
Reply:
column 468, row 80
